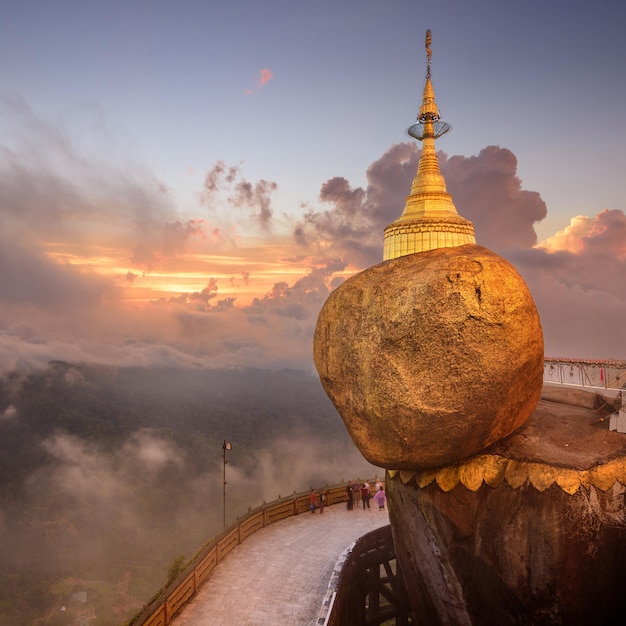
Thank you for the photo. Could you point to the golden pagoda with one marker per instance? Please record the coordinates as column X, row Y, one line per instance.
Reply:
column 430, row 219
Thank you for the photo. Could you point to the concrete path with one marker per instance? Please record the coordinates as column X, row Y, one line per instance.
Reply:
column 280, row 575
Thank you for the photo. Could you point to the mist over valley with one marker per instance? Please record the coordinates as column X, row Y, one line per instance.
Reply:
column 107, row 475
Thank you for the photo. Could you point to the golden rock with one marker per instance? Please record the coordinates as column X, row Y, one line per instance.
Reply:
column 429, row 358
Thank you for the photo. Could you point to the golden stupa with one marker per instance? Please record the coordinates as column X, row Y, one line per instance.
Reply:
column 430, row 219
column 435, row 353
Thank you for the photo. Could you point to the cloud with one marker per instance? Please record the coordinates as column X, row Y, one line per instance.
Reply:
column 28, row 278
column 218, row 176
column 580, row 319
column 575, row 279
column 199, row 329
column 487, row 191
column 173, row 242
column 254, row 198
column 352, row 225
column 56, row 201
column 257, row 198
column 9, row 413
column 290, row 466
column 81, row 236
column 484, row 188
column 603, row 236
column 265, row 75
column 299, row 302
column 201, row 298
column 176, row 234
column 80, row 485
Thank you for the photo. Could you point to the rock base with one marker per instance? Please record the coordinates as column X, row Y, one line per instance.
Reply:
column 531, row 532
column 511, row 556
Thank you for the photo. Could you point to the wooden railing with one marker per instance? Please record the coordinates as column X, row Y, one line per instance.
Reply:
column 161, row 610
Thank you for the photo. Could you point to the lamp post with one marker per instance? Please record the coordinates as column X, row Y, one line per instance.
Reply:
column 227, row 446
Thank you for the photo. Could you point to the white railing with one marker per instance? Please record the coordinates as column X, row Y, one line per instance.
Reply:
column 603, row 374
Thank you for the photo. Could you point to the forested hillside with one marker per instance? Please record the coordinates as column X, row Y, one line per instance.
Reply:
column 107, row 475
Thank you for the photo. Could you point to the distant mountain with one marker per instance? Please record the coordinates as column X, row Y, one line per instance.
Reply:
column 107, row 475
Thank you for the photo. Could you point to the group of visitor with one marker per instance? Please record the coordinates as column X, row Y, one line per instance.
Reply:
column 354, row 493
column 318, row 498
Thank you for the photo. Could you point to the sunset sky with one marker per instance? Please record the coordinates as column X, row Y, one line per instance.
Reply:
column 184, row 182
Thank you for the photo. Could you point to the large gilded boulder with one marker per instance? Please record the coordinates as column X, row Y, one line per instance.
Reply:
column 431, row 357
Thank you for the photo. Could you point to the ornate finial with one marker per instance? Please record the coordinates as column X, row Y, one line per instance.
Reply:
column 429, row 52
column 429, row 110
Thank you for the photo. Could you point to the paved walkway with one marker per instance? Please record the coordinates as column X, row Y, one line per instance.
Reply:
column 280, row 575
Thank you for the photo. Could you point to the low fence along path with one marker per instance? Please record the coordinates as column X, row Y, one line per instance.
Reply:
column 280, row 575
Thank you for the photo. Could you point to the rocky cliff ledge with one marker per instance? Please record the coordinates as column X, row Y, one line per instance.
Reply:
column 531, row 531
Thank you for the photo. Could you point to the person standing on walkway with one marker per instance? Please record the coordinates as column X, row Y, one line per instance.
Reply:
column 365, row 495
column 380, row 498
column 356, row 494
column 312, row 497
column 322, row 499
column 350, row 496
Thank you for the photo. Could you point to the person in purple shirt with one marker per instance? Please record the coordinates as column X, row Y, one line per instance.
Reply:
column 380, row 498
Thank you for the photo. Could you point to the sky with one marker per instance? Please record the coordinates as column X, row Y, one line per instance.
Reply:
column 184, row 183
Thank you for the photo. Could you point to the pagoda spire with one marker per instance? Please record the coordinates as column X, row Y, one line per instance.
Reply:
column 430, row 219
